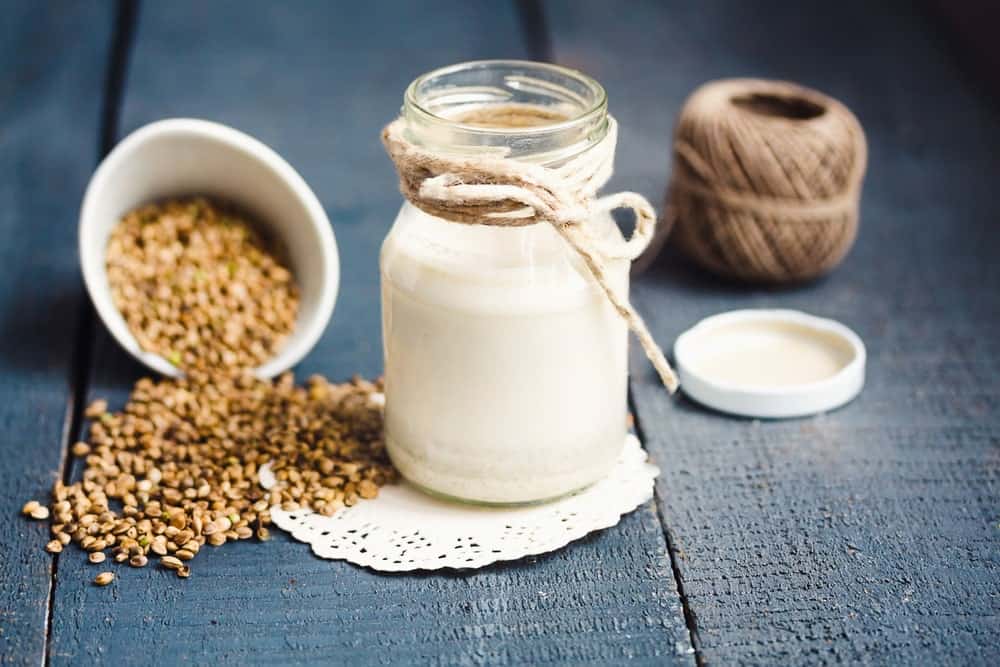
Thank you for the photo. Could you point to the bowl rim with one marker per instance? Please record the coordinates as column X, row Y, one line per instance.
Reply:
column 307, row 333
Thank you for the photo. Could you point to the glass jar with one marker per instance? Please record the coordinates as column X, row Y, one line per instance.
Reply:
column 505, row 365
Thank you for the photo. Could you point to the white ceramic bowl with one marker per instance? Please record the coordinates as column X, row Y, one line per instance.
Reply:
column 770, row 363
column 184, row 157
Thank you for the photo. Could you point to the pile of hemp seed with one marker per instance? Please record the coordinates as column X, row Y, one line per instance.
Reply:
column 196, row 286
column 177, row 468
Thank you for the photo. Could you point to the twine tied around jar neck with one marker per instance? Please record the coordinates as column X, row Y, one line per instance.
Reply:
column 499, row 191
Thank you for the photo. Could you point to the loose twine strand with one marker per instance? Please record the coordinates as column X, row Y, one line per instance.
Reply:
column 499, row 191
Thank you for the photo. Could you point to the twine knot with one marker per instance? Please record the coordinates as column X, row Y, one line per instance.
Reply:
column 496, row 190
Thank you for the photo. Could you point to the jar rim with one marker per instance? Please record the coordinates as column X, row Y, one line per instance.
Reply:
column 592, row 110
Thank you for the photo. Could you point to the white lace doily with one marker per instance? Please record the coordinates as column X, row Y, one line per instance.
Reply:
column 406, row 529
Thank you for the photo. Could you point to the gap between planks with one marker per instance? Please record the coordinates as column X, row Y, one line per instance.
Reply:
column 123, row 33
column 689, row 618
column 537, row 38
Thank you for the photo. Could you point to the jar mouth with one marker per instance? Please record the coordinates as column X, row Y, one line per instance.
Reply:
column 482, row 82
column 568, row 109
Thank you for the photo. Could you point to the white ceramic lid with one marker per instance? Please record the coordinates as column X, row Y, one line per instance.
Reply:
column 770, row 363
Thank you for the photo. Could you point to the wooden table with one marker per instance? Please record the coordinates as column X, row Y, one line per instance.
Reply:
column 871, row 534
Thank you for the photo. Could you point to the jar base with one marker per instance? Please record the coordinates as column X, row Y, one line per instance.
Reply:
column 495, row 494
column 495, row 503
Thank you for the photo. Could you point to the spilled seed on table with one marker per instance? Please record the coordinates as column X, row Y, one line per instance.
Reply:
column 178, row 466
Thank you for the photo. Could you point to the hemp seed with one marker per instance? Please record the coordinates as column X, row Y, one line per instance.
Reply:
column 182, row 458
column 196, row 285
column 96, row 409
column 104, row 578
column 171, row 563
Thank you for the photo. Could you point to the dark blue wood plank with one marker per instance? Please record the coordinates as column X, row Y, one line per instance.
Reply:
column 870, row 534
column 51, row 68
column 317, row 82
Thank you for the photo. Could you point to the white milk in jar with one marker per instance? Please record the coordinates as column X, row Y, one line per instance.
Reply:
column 505, row 364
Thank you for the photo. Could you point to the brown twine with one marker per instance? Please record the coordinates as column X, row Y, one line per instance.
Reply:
column 499, row 191
column 766, row 180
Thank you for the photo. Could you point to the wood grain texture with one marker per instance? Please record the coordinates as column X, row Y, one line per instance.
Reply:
column 317, row 82
column 871, row 534
column 51, row 68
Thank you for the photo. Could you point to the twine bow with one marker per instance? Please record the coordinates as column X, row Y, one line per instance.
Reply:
column 499, row 191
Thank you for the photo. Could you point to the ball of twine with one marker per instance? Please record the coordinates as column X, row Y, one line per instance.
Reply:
column 766, row 180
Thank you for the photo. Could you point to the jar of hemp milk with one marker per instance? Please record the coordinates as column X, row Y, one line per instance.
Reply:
column 505, row 363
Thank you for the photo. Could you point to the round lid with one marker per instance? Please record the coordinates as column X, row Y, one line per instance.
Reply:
column 770, row 363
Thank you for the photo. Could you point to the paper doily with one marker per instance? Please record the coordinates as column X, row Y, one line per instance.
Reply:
column 405, row 529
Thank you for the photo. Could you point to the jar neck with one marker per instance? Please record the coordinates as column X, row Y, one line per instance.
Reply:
column 534, row 112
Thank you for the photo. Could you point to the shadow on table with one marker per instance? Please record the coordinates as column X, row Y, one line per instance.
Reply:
column 40, row 327
column 55, row 330
column 674, row 270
